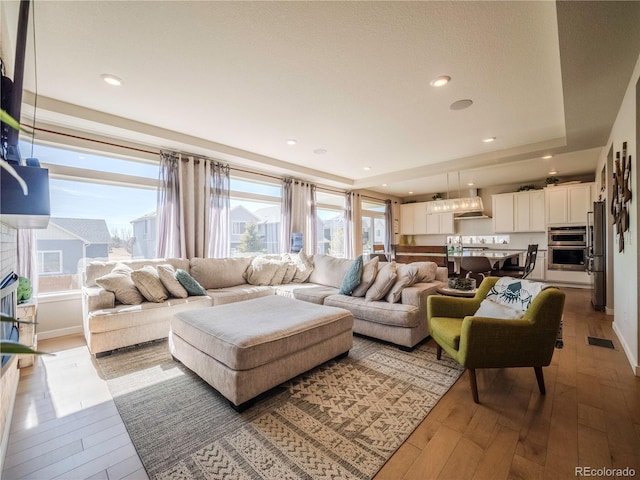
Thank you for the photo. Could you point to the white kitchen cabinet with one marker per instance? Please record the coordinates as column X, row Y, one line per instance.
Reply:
column 413, row 218
column 519, row 212
column 440, row 223
column 503, row 212
column 568, row 204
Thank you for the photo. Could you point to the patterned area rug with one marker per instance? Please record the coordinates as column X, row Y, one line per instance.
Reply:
column 343, row 419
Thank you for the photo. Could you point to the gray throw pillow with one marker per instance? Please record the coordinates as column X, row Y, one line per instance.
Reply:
column 385, row 279
column 369, row 272
column 352, row 278
column 189, row 283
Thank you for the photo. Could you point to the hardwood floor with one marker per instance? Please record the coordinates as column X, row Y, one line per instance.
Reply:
column 590, row 416
column 66, row 426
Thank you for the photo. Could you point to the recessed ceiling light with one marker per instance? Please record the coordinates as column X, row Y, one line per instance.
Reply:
column 461, row 104
column 292, row 141
column 489, row 140
column 319, row 151
column 470, row 184
column 547, row 157
column 367, row 169
column 111, row 79
column 440, row 81
column 384, row 184
column 410, row 193
column 553, row 172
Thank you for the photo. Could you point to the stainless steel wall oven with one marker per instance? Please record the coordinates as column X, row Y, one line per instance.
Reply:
column 567, row 248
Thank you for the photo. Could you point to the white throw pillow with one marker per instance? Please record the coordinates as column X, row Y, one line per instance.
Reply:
column 492, row 309
column 266, row 271
column 369, row 272
column 304, row 267
column 385, row 279
column 407, row 276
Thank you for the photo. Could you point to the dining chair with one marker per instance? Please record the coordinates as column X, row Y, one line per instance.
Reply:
column 476, row 267
column 517, row 271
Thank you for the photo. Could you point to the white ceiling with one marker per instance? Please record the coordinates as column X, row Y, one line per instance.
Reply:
column 240, row 78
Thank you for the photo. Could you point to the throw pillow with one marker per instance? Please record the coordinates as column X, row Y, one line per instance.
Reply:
column 369, row 272
column 189, row 283
column 147, row 280
column 426, row 271
column 167, row 276
column 266, row 271
column 120, row 283
column 407, row 276
column 491, row 309
column 385, row 279
column 304, row 267
column 352, row 278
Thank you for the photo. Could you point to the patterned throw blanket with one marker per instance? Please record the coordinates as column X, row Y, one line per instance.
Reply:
column 515, row 293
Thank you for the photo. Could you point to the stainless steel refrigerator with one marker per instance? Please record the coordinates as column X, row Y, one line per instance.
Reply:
column 596, row 243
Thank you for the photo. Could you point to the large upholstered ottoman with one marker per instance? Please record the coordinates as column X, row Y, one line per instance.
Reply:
column 246, row 348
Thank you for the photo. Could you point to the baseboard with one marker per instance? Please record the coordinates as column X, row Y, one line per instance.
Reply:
column 62, row 332
column 627, row 351
column 608, row 311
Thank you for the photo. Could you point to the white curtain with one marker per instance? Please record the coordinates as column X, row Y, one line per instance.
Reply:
column 352, row 222
column 28, row 257
column 193, row 207
column 299, row 214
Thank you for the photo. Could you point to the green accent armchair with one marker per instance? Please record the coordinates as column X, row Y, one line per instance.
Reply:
column 480, row 342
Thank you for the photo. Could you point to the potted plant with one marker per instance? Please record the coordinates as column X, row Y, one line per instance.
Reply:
column 551, row 181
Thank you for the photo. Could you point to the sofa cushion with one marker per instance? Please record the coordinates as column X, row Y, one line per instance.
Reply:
column 239, row 293
column 352, row 278
column 147, row 280
column 189, row 283
column 168, row 278
column 307, row 292
column 119, row 282
column 385, row 279
column 369, row 272
column 381, row 312
column 219, row 272
column 328, row 270
column 407, row 276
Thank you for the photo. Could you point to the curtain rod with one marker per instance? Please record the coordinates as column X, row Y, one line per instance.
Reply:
column 157, row 152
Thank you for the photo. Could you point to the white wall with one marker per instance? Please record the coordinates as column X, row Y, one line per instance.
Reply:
column 59, row 314
column 626, row 271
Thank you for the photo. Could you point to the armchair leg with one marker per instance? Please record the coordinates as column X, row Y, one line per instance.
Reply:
column 540, row 379
column 474, row 384
column 438, row 351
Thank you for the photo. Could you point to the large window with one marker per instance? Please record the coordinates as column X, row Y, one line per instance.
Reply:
column 254, row 216
column 330, row 227
column 97, row 213
column 374, row 225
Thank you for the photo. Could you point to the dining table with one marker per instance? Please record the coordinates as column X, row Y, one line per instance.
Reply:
column 496, row 257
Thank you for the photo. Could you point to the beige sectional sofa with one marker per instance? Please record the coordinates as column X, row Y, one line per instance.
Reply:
column 109, row 325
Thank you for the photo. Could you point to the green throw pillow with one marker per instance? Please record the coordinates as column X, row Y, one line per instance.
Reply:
column 352, row 278
column 189, row 283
